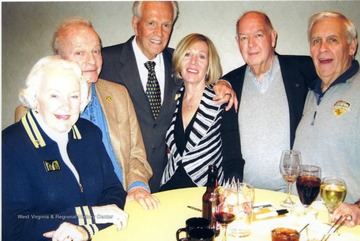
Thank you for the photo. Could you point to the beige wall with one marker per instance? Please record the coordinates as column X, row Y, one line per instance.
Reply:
column 27, row 30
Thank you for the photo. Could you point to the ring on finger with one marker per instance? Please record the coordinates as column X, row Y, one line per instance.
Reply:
column 229, row 94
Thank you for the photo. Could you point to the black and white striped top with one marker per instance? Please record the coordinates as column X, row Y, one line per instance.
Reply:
column 204, row 146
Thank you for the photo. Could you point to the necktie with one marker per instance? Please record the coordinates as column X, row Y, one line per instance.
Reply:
column 153, row 89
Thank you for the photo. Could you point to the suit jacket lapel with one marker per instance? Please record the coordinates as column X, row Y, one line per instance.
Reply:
column 129, row 71
column 110, row 112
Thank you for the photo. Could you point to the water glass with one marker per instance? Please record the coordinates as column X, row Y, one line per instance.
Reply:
column 241, row 227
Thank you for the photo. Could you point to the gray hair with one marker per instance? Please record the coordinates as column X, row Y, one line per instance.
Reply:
column 28, row 96
column 59, row 35
column 136, row 9
column 349, row 25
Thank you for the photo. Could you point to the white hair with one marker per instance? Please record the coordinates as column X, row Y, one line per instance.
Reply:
column 28, row 95
column 349, row 25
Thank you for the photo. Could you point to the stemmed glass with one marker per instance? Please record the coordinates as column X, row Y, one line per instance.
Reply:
column 289, row 168
column 224, row 211
column 333, row 193
column 308, row 184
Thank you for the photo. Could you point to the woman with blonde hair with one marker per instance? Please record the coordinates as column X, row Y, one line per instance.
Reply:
column 194, row 138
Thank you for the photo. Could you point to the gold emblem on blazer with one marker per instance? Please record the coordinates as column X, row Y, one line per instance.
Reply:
column 52, row 166
column 177, row 96
column 340, row 107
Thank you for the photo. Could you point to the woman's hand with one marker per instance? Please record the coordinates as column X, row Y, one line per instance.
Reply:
column 68, row 232
column 111, row 214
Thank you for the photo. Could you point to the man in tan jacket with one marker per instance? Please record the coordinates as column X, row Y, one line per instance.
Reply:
column 110, row 108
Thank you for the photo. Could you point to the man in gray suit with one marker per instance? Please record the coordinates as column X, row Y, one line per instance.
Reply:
column 124, row 63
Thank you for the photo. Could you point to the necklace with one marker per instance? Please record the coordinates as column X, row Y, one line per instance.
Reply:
column 189, row 103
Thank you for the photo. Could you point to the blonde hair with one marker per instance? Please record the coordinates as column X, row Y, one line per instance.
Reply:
column 215, row 70
column 28, row 95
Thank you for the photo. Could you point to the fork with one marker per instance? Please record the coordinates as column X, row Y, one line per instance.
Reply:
column 338, row 223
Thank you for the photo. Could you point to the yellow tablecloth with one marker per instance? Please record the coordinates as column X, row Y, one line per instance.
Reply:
column 161, row 224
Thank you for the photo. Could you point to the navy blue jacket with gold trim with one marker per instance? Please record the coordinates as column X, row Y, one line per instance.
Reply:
column 39, row 190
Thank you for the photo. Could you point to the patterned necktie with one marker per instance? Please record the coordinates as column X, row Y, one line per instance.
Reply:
column 153, row 89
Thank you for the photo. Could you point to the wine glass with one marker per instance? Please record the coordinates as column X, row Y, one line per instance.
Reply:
column 308, row 184
column 333, row 193
column 224, row 211
column 289, row 168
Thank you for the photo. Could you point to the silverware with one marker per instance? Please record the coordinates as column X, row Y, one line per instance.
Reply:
column 338, row 223
column 194, row 208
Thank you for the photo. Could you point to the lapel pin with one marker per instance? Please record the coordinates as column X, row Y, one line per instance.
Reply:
column 52, row 166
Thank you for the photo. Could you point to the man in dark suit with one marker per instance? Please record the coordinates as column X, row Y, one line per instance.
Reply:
column 271, row 90
column 124, row 63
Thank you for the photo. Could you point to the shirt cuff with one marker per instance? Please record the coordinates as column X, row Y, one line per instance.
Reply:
column 139, row 184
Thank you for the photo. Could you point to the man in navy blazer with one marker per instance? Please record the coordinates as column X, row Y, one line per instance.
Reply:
column 271, row 90
column 124, row 63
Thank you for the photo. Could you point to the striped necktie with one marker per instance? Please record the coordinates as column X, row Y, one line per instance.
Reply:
column 153, row 89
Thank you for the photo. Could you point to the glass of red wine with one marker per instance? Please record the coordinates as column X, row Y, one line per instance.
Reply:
column 224, row 211
column 308, row 184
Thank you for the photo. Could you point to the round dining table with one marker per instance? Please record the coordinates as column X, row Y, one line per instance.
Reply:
column 162, row 223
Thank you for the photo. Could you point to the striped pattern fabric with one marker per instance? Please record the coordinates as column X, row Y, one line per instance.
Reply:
column 153, row 89
column 86, row 219
column 204, row 146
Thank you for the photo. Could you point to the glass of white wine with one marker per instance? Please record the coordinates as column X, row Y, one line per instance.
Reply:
column 333, row 193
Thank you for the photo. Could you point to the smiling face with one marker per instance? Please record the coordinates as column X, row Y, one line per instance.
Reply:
column 153, row 28
column 330, row 49
column 58, row 101
column 82, row 45
column 256, row 41
column 195, row 64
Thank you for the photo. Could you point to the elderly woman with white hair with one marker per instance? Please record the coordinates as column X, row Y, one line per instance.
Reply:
column 58, row 180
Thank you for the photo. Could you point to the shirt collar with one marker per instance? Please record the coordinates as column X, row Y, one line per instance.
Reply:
column 350, row 72
column 268, row 76
column 141, row 58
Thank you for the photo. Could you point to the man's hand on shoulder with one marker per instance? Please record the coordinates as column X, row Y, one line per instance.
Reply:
column 225, row 94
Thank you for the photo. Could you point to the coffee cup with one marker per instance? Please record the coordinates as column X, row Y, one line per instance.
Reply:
column 191, row 224
column 200, row 234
